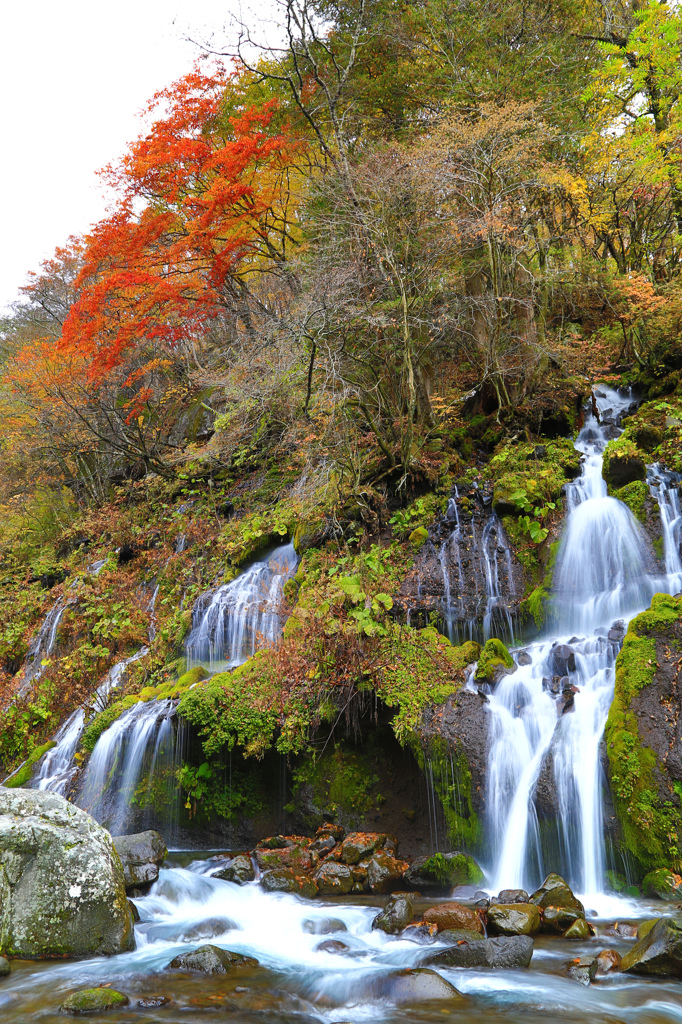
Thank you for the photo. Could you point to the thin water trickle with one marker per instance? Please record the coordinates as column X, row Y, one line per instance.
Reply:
column 545, row 776
column 229, row 623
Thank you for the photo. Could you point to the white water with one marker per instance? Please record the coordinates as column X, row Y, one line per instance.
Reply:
column 42, row 647
column 600, row 577
column 230, row 623
column 57, row 768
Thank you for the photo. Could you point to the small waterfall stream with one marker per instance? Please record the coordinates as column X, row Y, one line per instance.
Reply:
column 547, row 718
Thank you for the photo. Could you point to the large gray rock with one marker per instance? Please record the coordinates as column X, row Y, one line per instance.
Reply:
column 210, row 960
column 505, row 953
column 417, row 985
column 62, row 892
column 659, row 952
column 141, row 855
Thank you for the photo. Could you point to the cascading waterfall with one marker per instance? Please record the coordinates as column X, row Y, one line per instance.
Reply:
column 228, row 622
column 41, row 647
column 57, row 768
column 547, row 718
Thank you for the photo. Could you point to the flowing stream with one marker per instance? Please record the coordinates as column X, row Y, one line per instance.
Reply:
column 545, row 776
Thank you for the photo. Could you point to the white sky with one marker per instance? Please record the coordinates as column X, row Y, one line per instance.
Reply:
column 74, row 74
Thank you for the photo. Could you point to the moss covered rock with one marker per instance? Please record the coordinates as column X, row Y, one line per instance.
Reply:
column 93, row 1000
column 62, row 891
column 25, row 773
column 440, row 873
column 495, row 661
column 664, row 884
column 624, row 462
column 419, row 537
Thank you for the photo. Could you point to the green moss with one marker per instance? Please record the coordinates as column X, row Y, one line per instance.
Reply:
column 450, row 775
column 25, row 773
column 457, row 869
column 494, row 656
column 634, row 495
column 343, row 782
column 419, row 537
column 94, row 1000
column 651, row 828
column 104, row 720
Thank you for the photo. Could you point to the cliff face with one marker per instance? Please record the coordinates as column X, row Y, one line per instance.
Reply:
column 644, row 735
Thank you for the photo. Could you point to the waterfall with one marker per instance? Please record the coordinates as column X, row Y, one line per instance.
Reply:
column 228, row 622
column 544, row 809
column 57, row 768
column 41, row 647
column 665, row 487
column 130, row 773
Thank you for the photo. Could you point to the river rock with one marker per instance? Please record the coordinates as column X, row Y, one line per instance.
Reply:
column 287, row 880
column 396, row 915
column 285, row 852
column 511, row 896
column 582, row 969
column 93, row 1000
column 384, row 872
column 332, row 946
column 622, row 468
column 417, row 985
column 62, row 890
column 608, row 961
column 664, row 884
column 323, row 926
column 562, row 660
column 208, row 929
column 645, row 927
column 141, row 855
column 4, row 967
column 556, row 920
column 454, row 935
column 440, row 873
column 454, row 915
column 239, row 870
column 556, row 892
column 503, row 953
column 579, row 931
column 360, row 845
column 334, row 879
column 659, row 952
column 210, row 960
column 423, row 933
column 513, row 919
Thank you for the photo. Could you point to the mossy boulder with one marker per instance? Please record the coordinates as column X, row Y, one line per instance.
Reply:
column 664, row 884
column 288, row 880
column 93, row 1000
column 396, row 915
column 513, row 919
column 25, row 773
column 495, row 661
column 624, row 462
column 556, row 892
column 418, row 537
column 62, row 890
column 659, row 952
column 440, row 873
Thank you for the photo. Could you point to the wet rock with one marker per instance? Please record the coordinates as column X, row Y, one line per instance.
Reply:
column 332, row 946
column 622, row 468
column 417, row 985
column 454, row 915
column 511, row 896
column 385, row 873
column 582, row 969
column 324, row 926
column 440, row 873
column 503, row 953
column 284, row 852
column 287, row 880
column 337, row 832
column 659, row 952
column 396, row 915
column 513, row 919
column 664, row 884
column 210, row 960
column 494, row 663
column 359, row 845
column 556, row 892
column 608, row 961
column 557, row 920
column 421, row 932
column 645, row 927
column 334, row 879
column 126, row 553
column 624, row 930
column 616, row 632
column 93, row 1000
column 4, row 967
column 61, row 881
column 562, row 660
column 579, row 931
column 134, row 911
column 209, row 929
column 239, row 870
column 523, row 658
column 323, row 844
column 153, row 1002
column 455, row 935
column 141, row 855
column 461, row 726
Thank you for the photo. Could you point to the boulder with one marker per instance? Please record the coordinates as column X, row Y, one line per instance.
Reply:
column 579, row 931
column 494, row 663
column 396, row 915
column 664, row 884
column 622, row 468
column 607, row 961
column 454, row 915
column 453, row 935
column 287, row 880
column 141, row 855
column 285, row 852
column 441, row 872
column 423, row 933
column 513, row 919
column 557, row 920
column 503, row 953
column 384, row 872
column 208, row 929
column 511, row 896
column 659, row 952
column 555, row 892
column 210, row 960
column 334, row 879
column 62, row 890
column 582, row 969
column 238, row 870
column 417, row 985
column 93, row 1000
column 645, row 927
column 359, row 845
column 332, row 946
column 4, row 967
column 562, row 660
